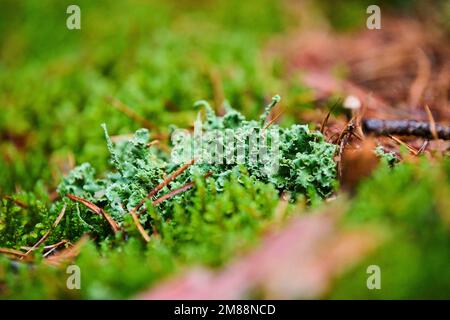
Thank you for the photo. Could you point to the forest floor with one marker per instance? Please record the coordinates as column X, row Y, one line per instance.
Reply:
column 387, row 211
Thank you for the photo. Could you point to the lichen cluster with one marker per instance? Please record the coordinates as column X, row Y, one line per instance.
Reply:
column 306, row 167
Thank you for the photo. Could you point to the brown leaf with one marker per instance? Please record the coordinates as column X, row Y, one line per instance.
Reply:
column 358, row 164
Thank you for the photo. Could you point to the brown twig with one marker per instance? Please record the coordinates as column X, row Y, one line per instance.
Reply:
column 17, row 202
column 114, row 226
column 134, row 212
column 48, row 247
column 56, row 246
column 139, row 226
column 169, row 179
column 13, row 252
column 405, row 128
column 166, row 181
column 187, row 186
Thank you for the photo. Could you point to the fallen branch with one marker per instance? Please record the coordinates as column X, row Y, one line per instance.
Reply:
column 405, row 128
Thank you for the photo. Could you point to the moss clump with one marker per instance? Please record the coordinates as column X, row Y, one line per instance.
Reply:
column 204, row 228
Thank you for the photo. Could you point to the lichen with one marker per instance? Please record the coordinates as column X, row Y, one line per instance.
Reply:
column 305, row 163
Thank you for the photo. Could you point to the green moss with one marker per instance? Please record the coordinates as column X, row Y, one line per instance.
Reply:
column 206, row 228
column 409, row 203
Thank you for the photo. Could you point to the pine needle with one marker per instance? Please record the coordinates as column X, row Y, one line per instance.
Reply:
column 114, row 226
column 45, row 236
column 129, row 112
column 166, row 181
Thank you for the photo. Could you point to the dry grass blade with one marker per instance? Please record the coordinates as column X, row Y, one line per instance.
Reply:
column 45, row 236
column 114, row 226
column 423, row 147
column 410, row 148
column 423, row 77
column 48, row 247
column 325, row 120
column 152, row 143
column 432, row 123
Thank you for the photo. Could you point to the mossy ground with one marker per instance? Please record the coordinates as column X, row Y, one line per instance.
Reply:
column 54, row 85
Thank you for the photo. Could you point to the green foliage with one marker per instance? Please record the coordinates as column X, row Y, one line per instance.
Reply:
column 207, row 227
column 23, row 219
column 410, row 203
column 54, row 80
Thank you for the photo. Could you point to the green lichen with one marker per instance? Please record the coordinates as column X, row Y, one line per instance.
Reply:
column 305, row 164
column 303, row 161
column 388, row 156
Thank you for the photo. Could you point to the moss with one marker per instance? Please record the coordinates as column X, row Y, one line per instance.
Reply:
column 409, row 203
